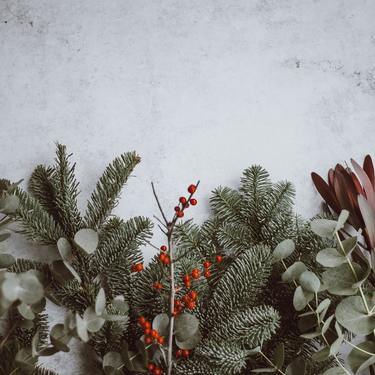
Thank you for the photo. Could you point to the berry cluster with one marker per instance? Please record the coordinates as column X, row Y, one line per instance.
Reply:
column 151, row 335
column 188, row 301
column 182, row 353
column 153, row 369
column 186, row 202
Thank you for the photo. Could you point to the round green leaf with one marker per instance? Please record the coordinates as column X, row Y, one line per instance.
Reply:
column 65, row 249
column 81, row 328
column 323, row 227
column 10, row 288
column 100, row 302
column 9, row 204
column 6, row 260
column 358, row 360
column 340, row 280
column 161, row 324
column 301, row 298
column 323, row 305
column 191, row 343
column 30, row 289
column 297, row 367
column 321, row 355
column 87, row 239
column 309, row 281
column 349, row 244
column 293, row 272
column 112, row 363
column 335, row 371
column 60, row 337
column 352, row 314
column 26, row 311
column 341, row 220
column 283, row 250
column 330, row 258
column 93, row 321
column 186, row 325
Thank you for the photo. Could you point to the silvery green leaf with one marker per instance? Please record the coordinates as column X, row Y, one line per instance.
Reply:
column 352, row 314
column 161, row 324
column 39, row 306
column 362, row 275
column 60, row 337
column 65, row 249
column 81, row 328
column 25, row 360
column 100, row 302
column 326, row 324
column 368, row 215
column 336, row 345
column 112, row 363
column 349, row 244
column 340, row 280
column 338, row 329
column 293, row 272
column 335, row 371
column 311, row 335
column 6, row 260
column 9, row 204
column 330, row 258
column 266, row 369
column 10, row 288
column 186, row 325
column 4, row 236
column 323, row 305
column 34, row 344
column 30, row 289
column 301, row 298
column 87, row 239
column 343, row 217
column 93, row 321
column 323, row 227
column 26, row 311
column 283, row 250
column 358, row 360
column 297, row 367
column 309, row 281
column 191, row 342
column 279, row 355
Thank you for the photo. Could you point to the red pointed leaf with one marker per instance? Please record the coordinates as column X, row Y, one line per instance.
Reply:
column 368, row 167
column 326, row 193
column 366, row 183
column 357, row 184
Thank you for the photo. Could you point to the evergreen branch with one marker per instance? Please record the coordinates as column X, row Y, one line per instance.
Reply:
column 66, row 192
column 37, row 224
column 108, row 188
column 226, row 204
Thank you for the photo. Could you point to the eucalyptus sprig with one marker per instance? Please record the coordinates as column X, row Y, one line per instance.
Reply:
column 343, row 280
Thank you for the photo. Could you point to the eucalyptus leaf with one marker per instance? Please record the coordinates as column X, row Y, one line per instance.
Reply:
column 161, row 324
column 352, row 314
column 283, row 250
column 336, row 345
column 266, row 369
column 279, row 355
column 100, row 302
column 293, row 272
column 31, row 290
column 311, row 335
column 186, row 325
column 301, row 298
column 25, row 360
column 87, row 239
column 92, row 320
column 323, row 305
column 349, row 244
column 112, row 363
column 341, row 220
column 359, row 360
column 4, row 236
column 297, row 367
column 9, row 204
column 309, row 281
column 326, row 324
column 330, row 258
column 6, row 260
column 321, row 355
column 191, row 343
column 35, row 344
column 323, row 227
column 65, row 249
column 60, row 337
column 26, row 311
column 81, row 328
column 340, row 280
column 335, row 371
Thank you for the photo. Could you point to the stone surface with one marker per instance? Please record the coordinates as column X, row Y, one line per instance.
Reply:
column 201, row 89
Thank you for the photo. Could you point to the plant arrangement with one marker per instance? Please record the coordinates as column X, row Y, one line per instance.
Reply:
column 216, row 299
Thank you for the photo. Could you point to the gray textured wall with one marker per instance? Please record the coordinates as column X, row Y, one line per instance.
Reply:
column 201, row 89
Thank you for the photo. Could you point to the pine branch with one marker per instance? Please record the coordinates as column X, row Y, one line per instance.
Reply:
column 66, row 191
column 226, row 204
column 108, row 188
column 37, row 224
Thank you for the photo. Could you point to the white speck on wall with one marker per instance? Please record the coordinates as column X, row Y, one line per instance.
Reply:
column 201, row 89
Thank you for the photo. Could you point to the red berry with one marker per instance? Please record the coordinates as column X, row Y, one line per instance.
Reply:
column 191, row 305
column 141, row 320
column 148, row 340
column 193, row 295
column 161, row 340
column 219, row 258
column 157, row 371
column 137, row 267
column 185, row 353
column 147, row 331
column 188, row 284
column 186, row 278
column 183, row 200
column 195, row 273
column 179, row 353
column 162, row 256
column 177, row 302
column 150, row 367
column 167, row 260
column 207, row 273
column 185, row 299
column 180, row 214
column 177, row 209
column 147, row 325
column 154, row 333
column 206, row 264
column 193, row 201
column 158, row 286
column 163, row 248
column 187, row 205
column 192, row 188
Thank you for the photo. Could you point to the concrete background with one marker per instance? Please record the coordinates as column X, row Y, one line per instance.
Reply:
column 201, row 89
